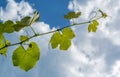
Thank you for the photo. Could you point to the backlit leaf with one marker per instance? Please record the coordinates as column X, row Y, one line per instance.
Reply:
column 68, row 33
column 8, row 26
column 65, row 44
column 55, row 39
column 77, row 14
column 26, row 59
column 72, row 15
column 23, row 23
column 23, row 38
column 4, row 50
column 62, row 40
column 26, row 21
column 95, row 22
column 90, row 28
column 1, row 28
column 93, row 26
column 18, row 27
column 7, row 42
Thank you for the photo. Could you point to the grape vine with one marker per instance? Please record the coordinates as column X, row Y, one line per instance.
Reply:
column 61, row 37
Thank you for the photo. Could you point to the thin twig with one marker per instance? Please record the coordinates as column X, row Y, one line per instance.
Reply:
column 36, row 35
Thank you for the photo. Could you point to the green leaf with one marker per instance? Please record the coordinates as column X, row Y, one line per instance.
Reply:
column 90, row 27
column 8, row 26
column 26, row 59
column 18, row 27
column 77, row 14
column 23, row 38
column 72, row 15
column 1, row 28
column 55, row 39
column 68, row 33
column 7, row 42
column 1, row 37
column 18, row 55
column 64, row 39
column 23, row 23
column 93, row 26
column 4, row 50
column 26, row 21
column 95, row 22
column 65, row 44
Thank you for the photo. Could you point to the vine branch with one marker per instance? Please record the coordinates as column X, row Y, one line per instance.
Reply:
column 37, row 34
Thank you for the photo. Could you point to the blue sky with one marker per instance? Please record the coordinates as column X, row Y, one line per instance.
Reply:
column 50, row 13
column 91, row 54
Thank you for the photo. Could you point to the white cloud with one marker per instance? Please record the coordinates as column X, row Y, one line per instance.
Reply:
column 15, row 11
column 116, row 69
column 96, row 52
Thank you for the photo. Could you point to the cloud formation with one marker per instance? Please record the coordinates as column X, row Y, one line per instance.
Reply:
column 101, row 49
column 15, row 11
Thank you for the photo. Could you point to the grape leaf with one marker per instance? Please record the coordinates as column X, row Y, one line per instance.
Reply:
column 93, row 26
column 23, row 23
column 7, row 42
column 8, row 26
column 65, row 44
column 77, row 14
column 68, row 33
column 72, row 15
column 90, row 27
column 18, row 27
column 64, row 39
column 55, row 39
column 95, row 22
column 26, row 21
column 4, row 50
column 26, row 59
column 1, row 28
column 23, row 38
